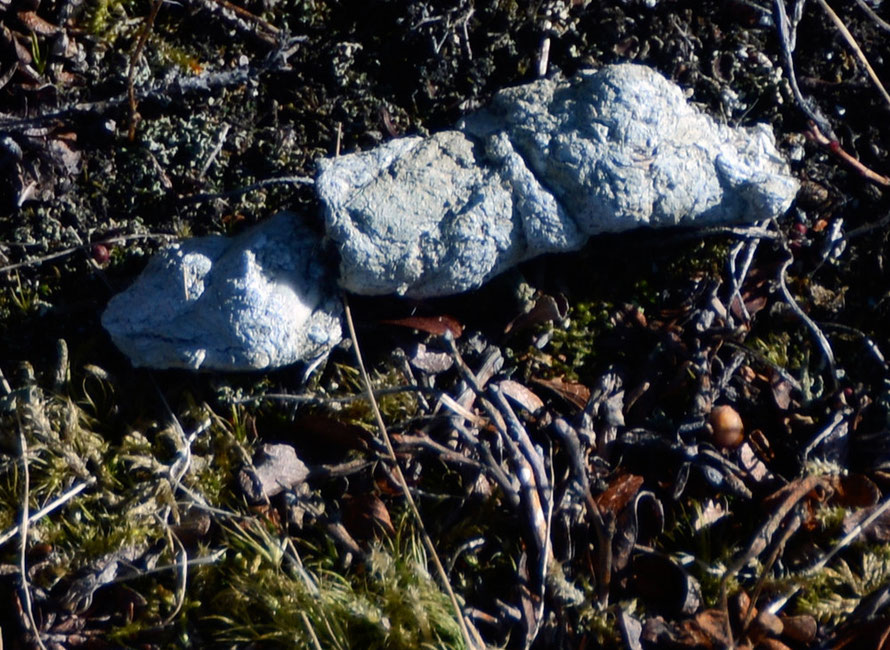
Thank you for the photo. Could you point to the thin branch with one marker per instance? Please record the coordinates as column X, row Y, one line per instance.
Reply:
column 23, row 537
column 788, row 37
column 834, row 147
column 780, row 602
column 45, row 510
column 238, row 191
column 469, row 641
column 809, row 322
column 37, row 261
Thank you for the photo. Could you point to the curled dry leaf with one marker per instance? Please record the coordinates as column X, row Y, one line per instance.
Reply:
column 435, row 325
column 802, row 628
column 545, row 310
column 573, row 392
column 765, row 625
column 856, row 491
column 366, row 516
column 707, row 629
column 620, row 492
column 432, row 362
column 664, row 585
column 521, row 395
column 36, row 24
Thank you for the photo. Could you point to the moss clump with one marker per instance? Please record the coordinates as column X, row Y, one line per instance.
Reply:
column 266, row 594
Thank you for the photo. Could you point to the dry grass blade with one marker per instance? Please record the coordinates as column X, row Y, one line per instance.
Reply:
column 842, row 28
column 470, row 641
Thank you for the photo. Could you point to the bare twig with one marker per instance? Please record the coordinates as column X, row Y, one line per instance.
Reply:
column 788, row 497
column 238, row 191
column 834, row 147
column 738, row 275
column 809, row 322
column 182, row 570
column 48, row 508
column 23, row 536
column 469, row 640
column 220, row 140
column 131, row 72
column 159, row 91
column 780, row 602
column 842, row 28
column 243, row 20
column 864, row 229
column 536, row 494
column 37, row 261
column 311, row 398
column 787, row 37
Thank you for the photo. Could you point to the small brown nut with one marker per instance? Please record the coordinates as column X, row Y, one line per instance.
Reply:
column 727, row 427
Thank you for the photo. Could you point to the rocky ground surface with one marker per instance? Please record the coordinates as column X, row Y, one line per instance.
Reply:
column 663, row 440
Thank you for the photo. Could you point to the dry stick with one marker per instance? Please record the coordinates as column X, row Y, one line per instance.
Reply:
column 855, row 46
column 281, row 180
column 845, row 541
column 245, row 14
column 49, row 507
column 791, row 527
column 220, row 141
column 23, row 536
column 469, row 641
column 37, row 261
column 131, row 73
column 834, row 147
column 791, row 496
column 310, row 398
column 182, row 567
column 809, row 322
column 788, row 37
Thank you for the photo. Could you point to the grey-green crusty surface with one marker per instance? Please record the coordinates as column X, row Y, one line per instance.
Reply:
column 547, row 165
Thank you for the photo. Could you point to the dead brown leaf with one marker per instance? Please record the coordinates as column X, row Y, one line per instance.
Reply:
column 435, row 325
column 576, row 394
column 366, row 516
column 545, row 310
column 521, row 395
column 620, row 492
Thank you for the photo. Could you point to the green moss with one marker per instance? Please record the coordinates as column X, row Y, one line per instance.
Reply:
column 574, row 347
column 269, row 596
